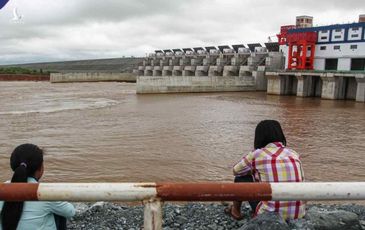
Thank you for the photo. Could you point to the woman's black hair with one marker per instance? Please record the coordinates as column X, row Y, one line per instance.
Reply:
column 25, row 160
column 268, row 131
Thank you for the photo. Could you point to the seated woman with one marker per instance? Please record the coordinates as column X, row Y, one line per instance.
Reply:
column 27, row 163
column 271, row 161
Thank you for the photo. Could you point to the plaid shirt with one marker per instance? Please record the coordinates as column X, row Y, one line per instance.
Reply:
column 274, row 163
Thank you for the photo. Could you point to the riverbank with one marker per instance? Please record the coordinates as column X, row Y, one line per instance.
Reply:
column 211, row 216
column 24, row 77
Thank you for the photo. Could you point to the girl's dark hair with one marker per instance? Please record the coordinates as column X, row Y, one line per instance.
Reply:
column 268, row 131
column 25, row 160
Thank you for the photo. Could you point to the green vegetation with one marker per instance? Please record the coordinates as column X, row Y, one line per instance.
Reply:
column 18, row 70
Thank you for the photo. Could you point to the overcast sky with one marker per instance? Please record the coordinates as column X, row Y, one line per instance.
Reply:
column 54, row 30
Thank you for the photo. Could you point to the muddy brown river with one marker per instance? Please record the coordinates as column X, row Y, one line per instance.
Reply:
column 104, row 132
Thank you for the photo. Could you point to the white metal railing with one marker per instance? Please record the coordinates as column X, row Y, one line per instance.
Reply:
column 154, row 194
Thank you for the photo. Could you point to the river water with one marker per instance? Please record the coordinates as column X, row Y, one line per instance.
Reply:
column 104, row 132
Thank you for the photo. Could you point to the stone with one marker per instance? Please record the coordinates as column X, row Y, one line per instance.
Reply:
column 178, row 211
column 212, row 226
column 362, row 223
column 181, row 219
column 264, row 221
column 195, row 216
column 332, row 220
column 98, row 206
column 300, row 224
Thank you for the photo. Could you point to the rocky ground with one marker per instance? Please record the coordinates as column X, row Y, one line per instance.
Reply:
column 211, row 216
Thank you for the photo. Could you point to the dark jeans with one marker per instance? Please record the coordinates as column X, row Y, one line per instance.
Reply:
column 60, row 222
column 247, row 179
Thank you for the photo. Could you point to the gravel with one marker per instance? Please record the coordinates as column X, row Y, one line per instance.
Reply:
column 103, row 215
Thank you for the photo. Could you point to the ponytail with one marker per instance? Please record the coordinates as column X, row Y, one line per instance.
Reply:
column 20, row 174
column 25, row 161
column 12, row 211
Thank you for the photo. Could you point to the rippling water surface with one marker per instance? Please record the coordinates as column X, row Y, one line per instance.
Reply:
column 104, row 132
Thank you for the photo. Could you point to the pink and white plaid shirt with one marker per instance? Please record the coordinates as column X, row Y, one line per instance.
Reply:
column 274, row 163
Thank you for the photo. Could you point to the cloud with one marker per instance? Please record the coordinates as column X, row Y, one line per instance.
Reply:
column 83, row 29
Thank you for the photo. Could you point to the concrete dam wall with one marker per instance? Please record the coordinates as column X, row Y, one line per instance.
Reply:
column 193, row 84
column 92, row 77
column 207, row 70
column 327, row 85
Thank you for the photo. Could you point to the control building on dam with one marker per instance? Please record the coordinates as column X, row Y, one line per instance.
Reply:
column 324, row 61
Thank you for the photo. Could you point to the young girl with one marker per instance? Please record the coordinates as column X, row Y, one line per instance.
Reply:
column 27, row 163
column 271, row 161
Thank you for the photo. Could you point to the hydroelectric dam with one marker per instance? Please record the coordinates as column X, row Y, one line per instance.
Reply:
column 323, row 61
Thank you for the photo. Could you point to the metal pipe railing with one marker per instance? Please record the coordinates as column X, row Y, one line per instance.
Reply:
column 153, row 194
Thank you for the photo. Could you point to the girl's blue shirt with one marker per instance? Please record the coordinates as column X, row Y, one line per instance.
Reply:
column 40, row 214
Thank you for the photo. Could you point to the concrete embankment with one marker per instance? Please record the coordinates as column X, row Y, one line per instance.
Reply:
column 211, row 216
column 23, row 77
column 92, row 77
column 182, row 84
column 327, row 85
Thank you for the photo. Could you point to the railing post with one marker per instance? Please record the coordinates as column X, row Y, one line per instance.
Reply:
column 153, row 215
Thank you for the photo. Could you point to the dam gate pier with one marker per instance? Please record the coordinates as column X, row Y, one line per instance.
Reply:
column 208, row 70
column 326, row 85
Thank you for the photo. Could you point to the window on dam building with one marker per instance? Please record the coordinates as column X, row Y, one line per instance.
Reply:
column 331, row 64
column 358, row 64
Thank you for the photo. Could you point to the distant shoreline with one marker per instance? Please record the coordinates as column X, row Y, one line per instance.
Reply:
column 24, row 77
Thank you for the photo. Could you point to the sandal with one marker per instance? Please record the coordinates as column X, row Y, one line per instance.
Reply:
column 228, row 211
